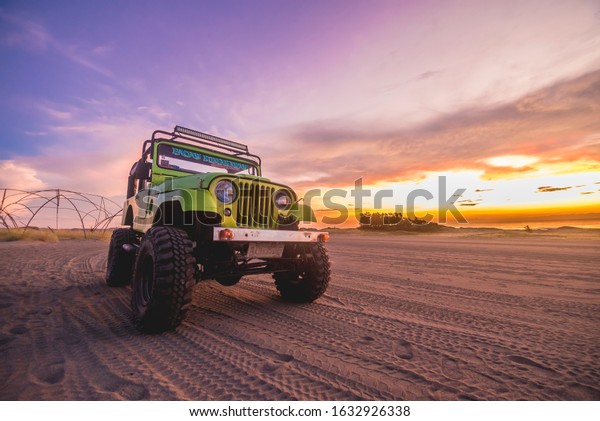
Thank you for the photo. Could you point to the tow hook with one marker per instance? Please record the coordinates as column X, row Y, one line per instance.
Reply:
column 131, row 248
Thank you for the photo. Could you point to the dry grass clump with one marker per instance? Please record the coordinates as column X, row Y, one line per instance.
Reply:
column 50, row 235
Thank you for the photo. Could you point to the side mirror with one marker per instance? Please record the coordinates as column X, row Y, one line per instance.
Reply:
column 142, row 171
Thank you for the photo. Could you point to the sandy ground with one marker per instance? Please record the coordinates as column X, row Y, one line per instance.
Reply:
column 405, row 318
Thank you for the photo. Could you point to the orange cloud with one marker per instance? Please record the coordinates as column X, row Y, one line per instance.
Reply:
column 545, row 189
column 557, row 126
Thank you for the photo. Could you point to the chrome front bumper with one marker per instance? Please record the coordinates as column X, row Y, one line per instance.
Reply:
column 271, row 236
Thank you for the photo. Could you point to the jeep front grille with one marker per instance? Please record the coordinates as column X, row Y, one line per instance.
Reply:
column 255, row 206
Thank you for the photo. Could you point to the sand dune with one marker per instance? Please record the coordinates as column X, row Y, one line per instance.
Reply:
column 405, row 318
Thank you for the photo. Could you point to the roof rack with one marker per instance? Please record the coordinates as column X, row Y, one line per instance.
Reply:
column 211, row 138
column 179, row 132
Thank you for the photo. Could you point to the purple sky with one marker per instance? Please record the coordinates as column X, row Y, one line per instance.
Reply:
column 326, row 92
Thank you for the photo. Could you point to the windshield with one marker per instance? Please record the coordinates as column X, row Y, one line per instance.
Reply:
column 180, row 158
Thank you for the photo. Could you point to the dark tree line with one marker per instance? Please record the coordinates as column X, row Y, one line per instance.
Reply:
column 392, row 221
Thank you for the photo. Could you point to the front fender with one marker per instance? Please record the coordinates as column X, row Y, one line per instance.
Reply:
column 302, row 212
column 192, row 200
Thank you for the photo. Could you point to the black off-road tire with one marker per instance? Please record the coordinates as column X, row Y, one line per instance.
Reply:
column 119, row 267
column 311, row 277
column 163, row 279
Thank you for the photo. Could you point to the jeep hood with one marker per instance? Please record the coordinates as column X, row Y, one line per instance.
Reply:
column 202, row 181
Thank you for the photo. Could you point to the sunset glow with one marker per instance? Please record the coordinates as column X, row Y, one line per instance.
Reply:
column 514, row 161
column 502, row 99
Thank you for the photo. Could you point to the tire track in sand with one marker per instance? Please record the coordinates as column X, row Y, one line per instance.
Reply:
column 404, row 318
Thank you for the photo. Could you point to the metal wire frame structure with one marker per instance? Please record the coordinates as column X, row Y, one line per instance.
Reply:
column 20, row 208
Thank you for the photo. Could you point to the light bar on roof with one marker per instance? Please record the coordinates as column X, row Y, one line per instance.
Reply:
column 211, row 138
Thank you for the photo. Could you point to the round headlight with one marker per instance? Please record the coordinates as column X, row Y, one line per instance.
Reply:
column 282, row 199
column 225, row 191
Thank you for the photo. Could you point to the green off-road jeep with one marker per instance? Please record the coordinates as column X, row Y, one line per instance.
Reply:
column 198, row 208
